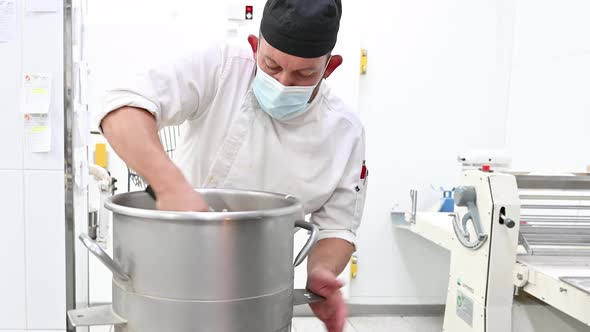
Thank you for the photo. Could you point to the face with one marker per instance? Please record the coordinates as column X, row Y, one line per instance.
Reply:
column 289, row 70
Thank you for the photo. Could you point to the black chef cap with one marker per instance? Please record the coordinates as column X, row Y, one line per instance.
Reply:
column 303, row 28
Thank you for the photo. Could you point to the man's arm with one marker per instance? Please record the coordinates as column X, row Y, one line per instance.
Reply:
column 133, row 134
column 166, row 94
column 326, row 261
column 332, row 254
column 339, row 219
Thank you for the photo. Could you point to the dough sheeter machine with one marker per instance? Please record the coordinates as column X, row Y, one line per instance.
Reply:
column 511, row 233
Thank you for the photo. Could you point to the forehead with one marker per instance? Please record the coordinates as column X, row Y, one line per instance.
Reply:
column 268, row 52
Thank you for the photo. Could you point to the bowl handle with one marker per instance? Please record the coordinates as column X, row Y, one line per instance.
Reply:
column 305, row 296
column 104, row 258
column 313, row 238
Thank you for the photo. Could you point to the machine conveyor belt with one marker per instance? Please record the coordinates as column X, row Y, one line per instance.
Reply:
column 581, row 283
column 573, row 270
column 563, row 282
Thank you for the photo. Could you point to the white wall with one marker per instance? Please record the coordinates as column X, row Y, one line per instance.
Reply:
column 448, row 76
column 550, row 84
column 436, row 86
column 32, row 250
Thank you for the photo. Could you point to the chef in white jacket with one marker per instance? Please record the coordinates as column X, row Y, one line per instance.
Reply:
column 259, row 118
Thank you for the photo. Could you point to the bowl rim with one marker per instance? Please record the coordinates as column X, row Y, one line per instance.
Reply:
column 294, row 207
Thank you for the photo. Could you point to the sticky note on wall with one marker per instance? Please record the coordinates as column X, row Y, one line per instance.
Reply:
column 8, row 20
column 38, row 132
column 45, row 6
column 100, row 155
column 36, row 93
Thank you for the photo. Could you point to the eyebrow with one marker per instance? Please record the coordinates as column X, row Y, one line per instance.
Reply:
column 270, row 61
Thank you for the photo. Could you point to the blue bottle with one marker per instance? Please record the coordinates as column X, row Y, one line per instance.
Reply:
column 447, row 202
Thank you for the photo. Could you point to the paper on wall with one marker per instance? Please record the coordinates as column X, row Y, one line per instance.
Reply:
column 36, row 93
column 7, row 20
column 38, row 132
column 46, row 6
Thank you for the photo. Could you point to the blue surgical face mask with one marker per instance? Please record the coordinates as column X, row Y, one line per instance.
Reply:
column 279, row 101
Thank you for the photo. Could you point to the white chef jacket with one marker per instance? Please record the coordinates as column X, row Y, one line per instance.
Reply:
column 228, row 141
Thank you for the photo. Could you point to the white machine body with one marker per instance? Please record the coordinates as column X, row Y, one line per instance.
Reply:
column 475, row 159
column 487, row 264
column 476, row 290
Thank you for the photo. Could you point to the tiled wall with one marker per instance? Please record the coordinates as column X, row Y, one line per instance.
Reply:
column 32, row 232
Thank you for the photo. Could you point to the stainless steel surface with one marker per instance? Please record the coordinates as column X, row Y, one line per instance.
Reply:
column 550, row 219
column 313, row 238
column 556, row 235
column 560, row 251
column 242, row 253
column 567, row 196
column 414, row 199
column 555, row 219
column 581, row 283
column 399, row 218
column 95, row 316
column 554, row 207
column 93, row 225
column 97, row 251
column 272, row 312
column 525, row 243
column 218, row 271
column 241, row 205
column 577, row 181
column 70, row 237
column 555, row 239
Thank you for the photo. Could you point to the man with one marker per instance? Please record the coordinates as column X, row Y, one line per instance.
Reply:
column 259, row 119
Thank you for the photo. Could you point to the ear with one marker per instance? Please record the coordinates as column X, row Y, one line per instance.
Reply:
column 334, row 63
column 253, row 41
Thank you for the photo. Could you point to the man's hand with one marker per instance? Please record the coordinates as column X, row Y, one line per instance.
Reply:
column 333, row 310
column 133, row 134
column 181, row 197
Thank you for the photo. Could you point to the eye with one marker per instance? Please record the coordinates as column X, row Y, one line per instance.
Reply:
column 273, row 68
column 306, row 73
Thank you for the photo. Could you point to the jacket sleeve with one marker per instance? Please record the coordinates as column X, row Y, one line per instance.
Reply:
column 173, row 92
column 340, row 216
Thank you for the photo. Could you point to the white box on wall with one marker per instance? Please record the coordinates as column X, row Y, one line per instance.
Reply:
column 241, row 11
